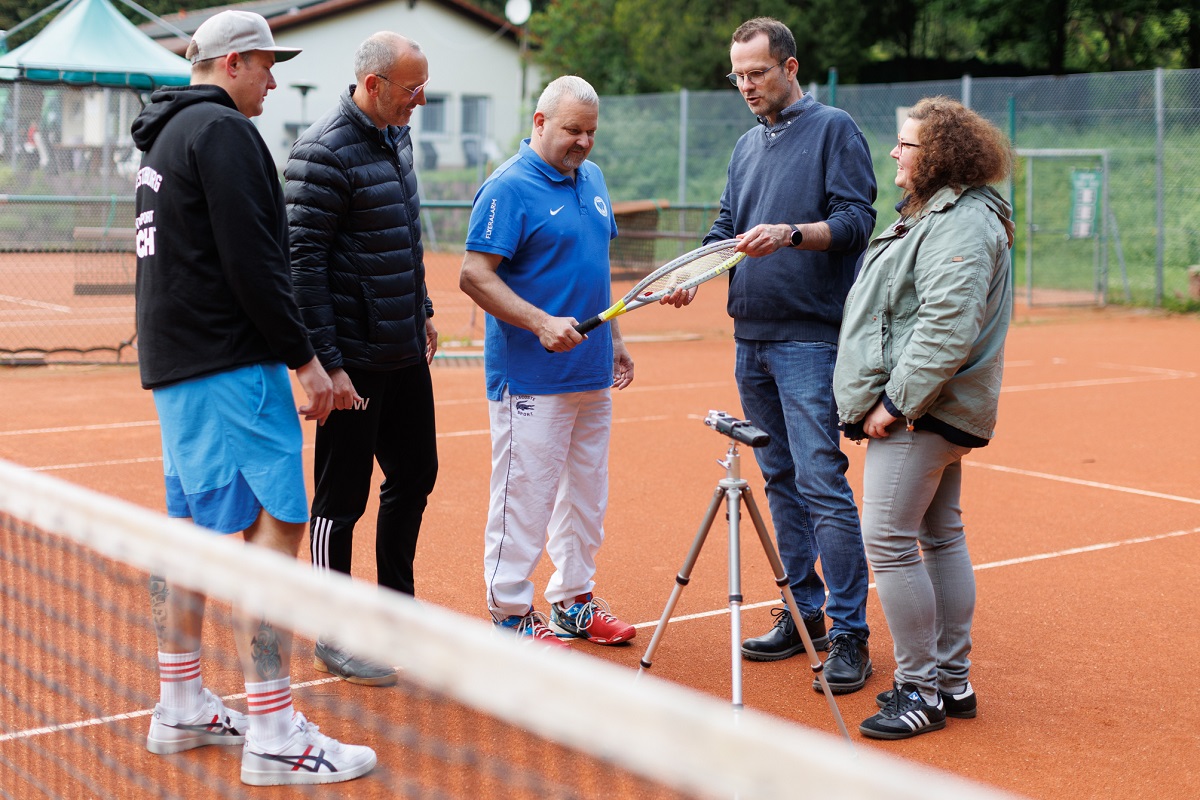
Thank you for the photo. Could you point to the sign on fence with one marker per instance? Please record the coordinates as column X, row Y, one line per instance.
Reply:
column 1085, row 197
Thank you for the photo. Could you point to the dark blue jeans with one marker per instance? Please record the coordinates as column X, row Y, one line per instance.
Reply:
column 787, row 391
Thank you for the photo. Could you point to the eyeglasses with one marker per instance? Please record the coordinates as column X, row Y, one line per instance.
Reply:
column 903, row 144
column 411, row 92
column 754, row 76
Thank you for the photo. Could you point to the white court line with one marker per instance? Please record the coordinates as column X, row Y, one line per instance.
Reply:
column 1037, row 387
column 639, row 389
column 145, row 712
column 486, row 432
column 1149, row 374
column 1155, row 374
column 1081, row 482
column 116, row 462
column 105, row 426
column 25, row 301
column 148, row 459
column 1008, row 562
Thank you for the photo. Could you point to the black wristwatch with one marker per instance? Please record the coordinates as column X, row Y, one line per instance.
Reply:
column 797, row 237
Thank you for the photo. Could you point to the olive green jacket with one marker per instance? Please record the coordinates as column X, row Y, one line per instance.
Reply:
column 926, row 318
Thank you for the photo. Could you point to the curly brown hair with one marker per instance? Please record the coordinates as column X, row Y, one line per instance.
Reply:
column 958, row 148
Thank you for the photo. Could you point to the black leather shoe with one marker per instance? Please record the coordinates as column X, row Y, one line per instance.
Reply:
column 783, row 640
column 848, row 665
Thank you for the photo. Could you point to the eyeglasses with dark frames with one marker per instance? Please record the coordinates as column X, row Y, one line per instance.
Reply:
column 411, row 92
column 903, row 144
column 754, row 76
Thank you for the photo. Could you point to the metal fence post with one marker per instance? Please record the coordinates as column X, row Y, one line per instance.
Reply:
column 683, row 144
column 1012, row 186
column 1160, row 244
column 966, row 90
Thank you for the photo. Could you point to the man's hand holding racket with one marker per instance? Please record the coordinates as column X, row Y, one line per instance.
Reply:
column 673, row 283
column 558, row 334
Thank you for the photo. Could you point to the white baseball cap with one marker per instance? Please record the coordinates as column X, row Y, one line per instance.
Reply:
column 235, row 32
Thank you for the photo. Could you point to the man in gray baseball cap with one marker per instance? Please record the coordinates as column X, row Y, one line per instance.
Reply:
column 219, row 329
column 235, row 32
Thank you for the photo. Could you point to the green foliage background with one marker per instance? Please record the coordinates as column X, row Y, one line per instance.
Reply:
column 634, row 47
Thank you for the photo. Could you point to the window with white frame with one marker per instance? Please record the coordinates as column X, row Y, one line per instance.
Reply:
column 433, row 114
column 475, row 116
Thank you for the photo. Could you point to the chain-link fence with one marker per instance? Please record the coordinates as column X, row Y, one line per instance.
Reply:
column 1145, row 125
column 66, row 213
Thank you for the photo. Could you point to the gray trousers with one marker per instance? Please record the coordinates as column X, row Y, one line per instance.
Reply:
column 913, row 532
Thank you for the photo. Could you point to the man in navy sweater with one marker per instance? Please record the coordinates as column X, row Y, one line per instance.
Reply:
column 799, row 196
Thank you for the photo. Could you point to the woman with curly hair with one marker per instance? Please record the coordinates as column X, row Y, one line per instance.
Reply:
column 918, row 374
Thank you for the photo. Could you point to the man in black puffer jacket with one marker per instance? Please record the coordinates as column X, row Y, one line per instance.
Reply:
column 359, row 275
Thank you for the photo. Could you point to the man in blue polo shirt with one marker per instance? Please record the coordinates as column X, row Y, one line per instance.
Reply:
column 537, row 262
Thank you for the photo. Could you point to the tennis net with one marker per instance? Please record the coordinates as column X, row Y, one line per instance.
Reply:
column 475, row 714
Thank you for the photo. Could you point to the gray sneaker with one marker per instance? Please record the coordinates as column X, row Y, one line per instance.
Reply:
column 330, row 658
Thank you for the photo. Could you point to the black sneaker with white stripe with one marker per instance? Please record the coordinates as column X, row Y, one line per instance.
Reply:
column 961, row 706
column 904, row 715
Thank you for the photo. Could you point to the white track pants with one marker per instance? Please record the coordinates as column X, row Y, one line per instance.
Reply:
column 549, row 490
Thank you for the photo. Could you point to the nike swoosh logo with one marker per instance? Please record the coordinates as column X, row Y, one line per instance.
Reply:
column 554, row 211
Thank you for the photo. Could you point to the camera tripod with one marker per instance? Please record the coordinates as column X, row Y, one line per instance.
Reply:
column 731, row 489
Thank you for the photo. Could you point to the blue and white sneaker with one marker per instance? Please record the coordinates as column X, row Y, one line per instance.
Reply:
column 214, row 724
column 905, row 714
column 308, row 756
column 532, row 627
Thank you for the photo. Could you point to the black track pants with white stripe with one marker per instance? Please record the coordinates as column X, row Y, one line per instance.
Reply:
column 394, row 425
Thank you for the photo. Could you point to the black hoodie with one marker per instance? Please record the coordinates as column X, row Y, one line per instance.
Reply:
column 214, row 289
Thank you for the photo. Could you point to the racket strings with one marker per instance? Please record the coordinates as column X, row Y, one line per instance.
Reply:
column 686, row 272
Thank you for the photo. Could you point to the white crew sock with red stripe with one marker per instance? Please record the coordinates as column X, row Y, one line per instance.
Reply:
column 270, row 706
column 179, row 683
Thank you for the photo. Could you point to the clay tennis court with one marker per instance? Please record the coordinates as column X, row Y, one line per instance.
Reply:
column 1083, row 518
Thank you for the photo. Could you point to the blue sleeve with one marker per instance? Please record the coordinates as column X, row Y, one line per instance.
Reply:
column 498, row 219
column 722, row 227
column 850, row 185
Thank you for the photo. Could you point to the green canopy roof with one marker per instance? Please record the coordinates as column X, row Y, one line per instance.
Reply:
column 90, row 44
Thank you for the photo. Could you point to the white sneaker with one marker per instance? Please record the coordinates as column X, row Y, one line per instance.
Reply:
column 308, row 756
column 215, row 724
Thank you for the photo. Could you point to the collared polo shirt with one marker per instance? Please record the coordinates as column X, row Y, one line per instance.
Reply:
column 553, row 233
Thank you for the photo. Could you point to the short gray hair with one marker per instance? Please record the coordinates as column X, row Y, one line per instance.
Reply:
column 567, row 86
column 379, row 52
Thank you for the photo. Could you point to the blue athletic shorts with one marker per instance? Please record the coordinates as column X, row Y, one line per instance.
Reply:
column 232, row 446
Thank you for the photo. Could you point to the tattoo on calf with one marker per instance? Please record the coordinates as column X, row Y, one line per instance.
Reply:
column 159, row 594
column 265, row 650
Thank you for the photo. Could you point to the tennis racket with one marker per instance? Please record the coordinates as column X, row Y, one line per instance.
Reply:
column 687, row 271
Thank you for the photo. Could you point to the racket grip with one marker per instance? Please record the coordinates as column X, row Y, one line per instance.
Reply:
column 589, row 325
column 584, row 327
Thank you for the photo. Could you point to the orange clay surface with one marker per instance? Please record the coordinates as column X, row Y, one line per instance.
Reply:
column 1083, row 518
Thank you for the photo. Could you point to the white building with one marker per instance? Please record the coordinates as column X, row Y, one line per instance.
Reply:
column 474, row 102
